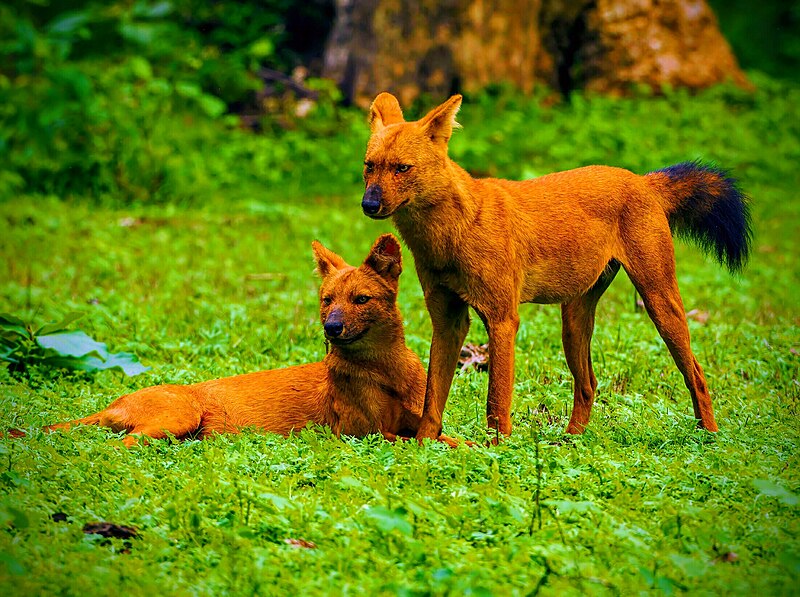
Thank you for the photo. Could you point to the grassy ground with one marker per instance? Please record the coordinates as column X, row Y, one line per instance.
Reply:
column 643, row 501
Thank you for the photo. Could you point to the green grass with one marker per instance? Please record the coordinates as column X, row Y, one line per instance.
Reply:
column 643, row 501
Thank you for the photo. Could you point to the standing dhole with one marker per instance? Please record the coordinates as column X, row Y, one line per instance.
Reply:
column 491, row 244
column 368, row 382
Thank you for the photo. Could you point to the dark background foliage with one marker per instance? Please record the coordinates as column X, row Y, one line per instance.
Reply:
column 765, row 35
column 114, row 100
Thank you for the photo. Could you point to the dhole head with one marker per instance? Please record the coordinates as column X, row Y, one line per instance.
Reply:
column 357, row 305
column 405, row 161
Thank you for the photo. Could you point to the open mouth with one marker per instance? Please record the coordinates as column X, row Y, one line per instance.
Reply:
column 339, row 341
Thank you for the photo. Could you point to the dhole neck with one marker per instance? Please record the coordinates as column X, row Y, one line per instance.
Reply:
column 435, row 230
column 351, row 371
column 376, row 354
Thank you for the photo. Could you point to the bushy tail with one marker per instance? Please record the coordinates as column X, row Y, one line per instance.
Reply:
column 90, row 420
column 704, row 204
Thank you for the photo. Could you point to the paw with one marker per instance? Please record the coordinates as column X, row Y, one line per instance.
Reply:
column 454, row 443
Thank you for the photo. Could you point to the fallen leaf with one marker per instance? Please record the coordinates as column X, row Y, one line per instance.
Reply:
column 728, row 557
column 545, row 412
column 129, row 222
column 115, row 531
column 300, row 543
column 698, row 315
column 110, row 529
column 476, row 356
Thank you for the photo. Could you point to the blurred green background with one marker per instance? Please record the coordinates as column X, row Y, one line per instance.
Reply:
column 120, row 101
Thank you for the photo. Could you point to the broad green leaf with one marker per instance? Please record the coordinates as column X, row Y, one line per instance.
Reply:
column 564, row 506
column 152, row 11
column 76, row 350
column 7, row 318
column 262, row 48
column 68, row 22
column 73, row 344
column 138, row 33
column 279, row 502
column 18, row 518
column 772, row 489
column 212, row 105
column 190, row 90
column 791, row 561
column 647, row 575
column 54, row 328
column 353, row 483
column 6, row 352
column 15, row 478
column 126, row 362
column 159, row 86
column 141, row 68
column 691, row 567
column 12, row 565
column 666, row 585
column 13, row 334
column 389, row 520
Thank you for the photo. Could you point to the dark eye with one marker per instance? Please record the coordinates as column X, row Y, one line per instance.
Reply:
column 326, row 300
column 369, row 167
column 402, row 168
column 361, row 299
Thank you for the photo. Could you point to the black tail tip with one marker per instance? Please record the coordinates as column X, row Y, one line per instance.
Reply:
column 717, row 215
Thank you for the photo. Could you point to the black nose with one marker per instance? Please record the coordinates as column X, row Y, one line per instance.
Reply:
column 333, row 328
column 371, row 203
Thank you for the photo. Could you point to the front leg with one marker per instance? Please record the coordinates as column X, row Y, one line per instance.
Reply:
column 391, row 437
column 502, row 338
column 450, row 321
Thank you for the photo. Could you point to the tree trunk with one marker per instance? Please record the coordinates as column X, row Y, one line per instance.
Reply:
column 446, row 46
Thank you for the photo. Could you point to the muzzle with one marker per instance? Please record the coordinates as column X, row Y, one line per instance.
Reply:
column 371, row 203
column 333, row 324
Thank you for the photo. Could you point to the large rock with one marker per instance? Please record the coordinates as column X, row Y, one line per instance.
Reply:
column 444, row 46
column 674, row 42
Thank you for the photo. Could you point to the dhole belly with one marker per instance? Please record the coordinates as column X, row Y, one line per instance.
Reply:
column 560, row 282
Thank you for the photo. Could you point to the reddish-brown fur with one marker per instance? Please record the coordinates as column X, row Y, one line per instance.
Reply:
column 491, row 244
column 368, row 382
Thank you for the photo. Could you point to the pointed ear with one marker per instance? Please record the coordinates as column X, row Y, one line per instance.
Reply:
column 385, row 110
column 439, row 123
column 385, row 258
column 327, row 261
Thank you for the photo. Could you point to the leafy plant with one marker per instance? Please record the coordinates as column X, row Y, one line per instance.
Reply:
column 53, row 345
column 108, row 97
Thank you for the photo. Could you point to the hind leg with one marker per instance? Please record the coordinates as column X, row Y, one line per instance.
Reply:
column 577, row 326
column 657, row 283
column 155, row 412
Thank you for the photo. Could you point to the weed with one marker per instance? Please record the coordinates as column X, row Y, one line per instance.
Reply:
column 23, row 345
